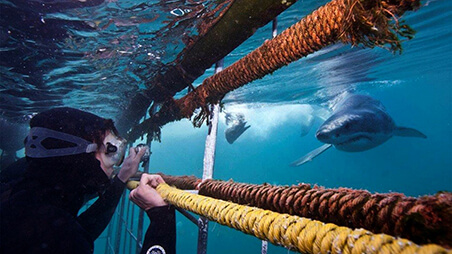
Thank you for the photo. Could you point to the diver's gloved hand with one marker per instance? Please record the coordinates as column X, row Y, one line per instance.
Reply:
column 145, row 195
column 130, row 164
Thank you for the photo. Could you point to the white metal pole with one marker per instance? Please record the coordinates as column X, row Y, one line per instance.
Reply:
column 264, row 247
column 275, row 27
column 209, row 161
column 274, row 34
column 211, row 141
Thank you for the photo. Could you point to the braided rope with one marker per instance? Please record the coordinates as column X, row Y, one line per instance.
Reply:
column 181, row 182
column 423, row 220
column 295, row 233
column 426, row 219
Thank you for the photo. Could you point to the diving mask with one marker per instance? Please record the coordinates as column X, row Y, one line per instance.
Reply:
column 114, row 150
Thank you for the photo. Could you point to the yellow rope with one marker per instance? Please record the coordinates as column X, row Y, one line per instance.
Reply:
column 293, row 232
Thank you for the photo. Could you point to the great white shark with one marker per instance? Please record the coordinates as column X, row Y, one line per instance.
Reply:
column 359, row 123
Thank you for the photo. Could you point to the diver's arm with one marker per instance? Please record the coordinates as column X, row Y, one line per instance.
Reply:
column 161, row 233
column 96, row 218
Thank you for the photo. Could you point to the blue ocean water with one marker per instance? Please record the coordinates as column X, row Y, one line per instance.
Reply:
column 414, row 87
column 407, row 165
column 133, row 40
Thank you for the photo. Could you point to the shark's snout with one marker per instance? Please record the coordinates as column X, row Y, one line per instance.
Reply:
column 323, row 135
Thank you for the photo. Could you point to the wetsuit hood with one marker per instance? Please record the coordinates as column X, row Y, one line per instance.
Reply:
column 67, row 181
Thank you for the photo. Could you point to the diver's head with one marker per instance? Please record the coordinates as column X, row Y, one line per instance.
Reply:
column 76, row 137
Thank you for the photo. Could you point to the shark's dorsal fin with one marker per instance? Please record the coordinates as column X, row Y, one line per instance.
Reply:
column 408, row 132
column 311, row 155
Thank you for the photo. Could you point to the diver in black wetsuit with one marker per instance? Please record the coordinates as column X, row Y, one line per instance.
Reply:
column 70, row 156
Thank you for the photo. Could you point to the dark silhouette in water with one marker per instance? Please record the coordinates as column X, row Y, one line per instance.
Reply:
column 237, row 127
column 358, row 124
column 12, row 137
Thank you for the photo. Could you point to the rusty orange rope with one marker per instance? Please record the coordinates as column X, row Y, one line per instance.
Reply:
column 426, row 219
column 349, row 21
column 182, row 182
column 293, row 232
column 423, row 220
column 368, row 22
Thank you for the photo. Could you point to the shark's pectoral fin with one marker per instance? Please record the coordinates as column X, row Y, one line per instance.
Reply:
column 408, row 132
column 311, row 155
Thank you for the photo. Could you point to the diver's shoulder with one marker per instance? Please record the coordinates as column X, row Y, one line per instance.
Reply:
column 14, row 171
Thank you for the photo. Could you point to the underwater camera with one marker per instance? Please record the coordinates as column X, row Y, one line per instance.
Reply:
column 146, row 154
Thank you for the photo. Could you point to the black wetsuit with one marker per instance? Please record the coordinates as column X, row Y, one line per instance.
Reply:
column 161, row 233
column 38, row 217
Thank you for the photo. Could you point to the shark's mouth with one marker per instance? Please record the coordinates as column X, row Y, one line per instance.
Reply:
column 354, row 139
